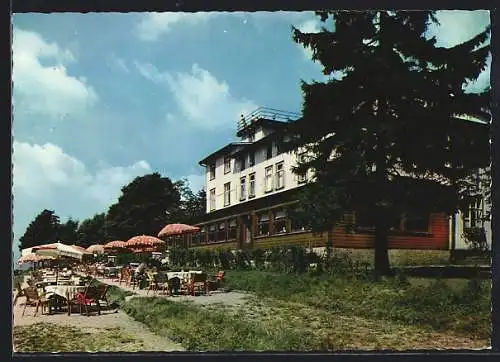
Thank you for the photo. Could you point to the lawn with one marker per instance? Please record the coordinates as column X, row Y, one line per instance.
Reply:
column 454, row 306
column 288, row 312
column 43, row 337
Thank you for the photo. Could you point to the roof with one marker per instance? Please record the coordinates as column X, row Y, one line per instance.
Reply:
column 224, row 150
column 265, row 116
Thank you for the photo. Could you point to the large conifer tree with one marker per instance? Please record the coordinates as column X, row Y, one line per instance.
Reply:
column 391, row 114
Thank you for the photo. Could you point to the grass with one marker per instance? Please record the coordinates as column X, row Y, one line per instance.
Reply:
column 461, row 308
column 267, row 324
column 202, row 329
column 46, row 337
column 117, row 295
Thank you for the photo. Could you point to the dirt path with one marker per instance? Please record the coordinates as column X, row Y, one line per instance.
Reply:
column 95, row 323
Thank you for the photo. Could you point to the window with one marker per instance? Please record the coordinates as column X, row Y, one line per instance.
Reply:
column 279, row 144
column 474, row 215
column 251, row 159
column 227, row 164
column 302, row 177
column 211, row 171
column 251, row 188
column 269, row 151
column 297, row 225
column 268, row 179
column 232, row 229
column 263, row 224
column 280, row 176
column 280, row 222
column 416, row 222
column 199, row 237
column 242, row 163
column 212, row 199
column 212, row 233
column 221, row 233
column 227, row 194
column 243, row 188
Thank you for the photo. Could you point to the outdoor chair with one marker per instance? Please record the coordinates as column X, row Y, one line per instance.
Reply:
column 197, row 282
column 151, row 283
column 162, row 281
column 86, row 299
column 34, row 299
column 103, row 293
column 124, row 275
column 173, row 284
column 218, row 281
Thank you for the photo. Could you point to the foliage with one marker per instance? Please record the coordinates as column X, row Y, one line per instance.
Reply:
column 141, row 208
column 42, row 230
column 475, row 237
column 192, row 206
column 389, row 109
column 67, row 232
column 91, row 231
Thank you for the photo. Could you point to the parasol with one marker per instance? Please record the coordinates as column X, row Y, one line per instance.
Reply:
column 96, row 249
column 57, row 250
column 144, row 240
column 116, row 244
column 178, row 229
column 33, row 258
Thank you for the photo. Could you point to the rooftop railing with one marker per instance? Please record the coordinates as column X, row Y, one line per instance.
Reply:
column 271, row 114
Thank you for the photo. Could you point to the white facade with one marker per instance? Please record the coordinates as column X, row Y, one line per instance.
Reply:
column 277, row 182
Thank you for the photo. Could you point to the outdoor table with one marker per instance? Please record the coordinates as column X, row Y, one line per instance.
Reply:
column 66, row 291
column 109, row 270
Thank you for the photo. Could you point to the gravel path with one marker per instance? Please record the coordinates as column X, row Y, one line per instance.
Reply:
column 233, row 299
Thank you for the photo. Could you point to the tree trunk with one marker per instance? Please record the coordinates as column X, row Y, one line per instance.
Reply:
column 381, row 208
column 382, row 266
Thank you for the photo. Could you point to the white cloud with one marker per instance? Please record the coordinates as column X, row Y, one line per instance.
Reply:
column 457, row 26
column 153, row 25
column 46, row 88
column 202, row 99
column 312, row 25
column 46, row 177
column 115, row 62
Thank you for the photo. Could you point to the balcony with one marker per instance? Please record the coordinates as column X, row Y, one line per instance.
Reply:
column 269, row 114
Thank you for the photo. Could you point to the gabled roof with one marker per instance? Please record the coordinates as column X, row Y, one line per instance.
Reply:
column 226, row 150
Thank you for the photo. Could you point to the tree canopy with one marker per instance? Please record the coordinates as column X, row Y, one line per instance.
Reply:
column 91, row 231
column 142, row 207
column 390, row 113
column 43, row 229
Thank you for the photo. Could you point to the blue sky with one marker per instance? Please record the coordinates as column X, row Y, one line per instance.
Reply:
column 102, row 98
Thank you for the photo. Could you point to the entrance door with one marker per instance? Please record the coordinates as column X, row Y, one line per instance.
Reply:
column 245, row 236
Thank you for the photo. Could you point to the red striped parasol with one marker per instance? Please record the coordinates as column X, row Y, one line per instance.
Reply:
column 144, row 240
column 116, row 244
column 178, row 229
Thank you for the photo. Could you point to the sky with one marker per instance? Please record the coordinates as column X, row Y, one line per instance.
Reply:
column 101, row 98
